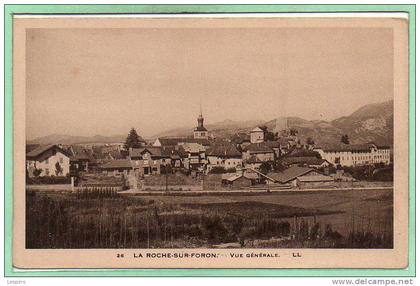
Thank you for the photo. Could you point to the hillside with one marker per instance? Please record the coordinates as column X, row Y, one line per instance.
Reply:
column 224, row 128
column 70, row 139
column 372, row 122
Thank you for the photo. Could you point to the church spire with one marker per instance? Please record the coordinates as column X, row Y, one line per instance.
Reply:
column 200, row 132
column 200, row 118
column 201, row 111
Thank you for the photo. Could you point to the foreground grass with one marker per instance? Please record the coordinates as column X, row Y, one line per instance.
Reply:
column 356, row 219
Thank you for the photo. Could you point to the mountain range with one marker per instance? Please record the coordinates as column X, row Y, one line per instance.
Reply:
column 372, row 122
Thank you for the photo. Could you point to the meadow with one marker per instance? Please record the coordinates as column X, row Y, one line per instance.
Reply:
column 327, row 219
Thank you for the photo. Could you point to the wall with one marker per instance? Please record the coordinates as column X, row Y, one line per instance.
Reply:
column 354, row 158
column 48, row 165
column 265, row 156
column 309, row 185
column 257, row 137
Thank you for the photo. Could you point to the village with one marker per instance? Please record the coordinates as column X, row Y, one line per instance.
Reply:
column 248, row 161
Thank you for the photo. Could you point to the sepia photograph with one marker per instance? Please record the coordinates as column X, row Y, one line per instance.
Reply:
column 223, row 134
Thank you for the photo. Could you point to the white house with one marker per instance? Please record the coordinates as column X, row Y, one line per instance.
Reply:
column 257, row 135
column 355, row 155
column 49, row 160
column 262, row 151
column 223, row 155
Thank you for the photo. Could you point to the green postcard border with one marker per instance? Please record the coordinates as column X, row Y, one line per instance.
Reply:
column 10, row 10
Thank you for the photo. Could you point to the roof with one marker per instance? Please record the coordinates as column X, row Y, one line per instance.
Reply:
column 303, row 160
column 80, row 153
column 138, row 152
column 240, row 138
column 258, row 148
column 257, row 129
column 117, row 164
column 234, row 177
column 180, row 140
column 173, row 151
column 224, row 150
column 30, row 147
column 251, row 175
column 193, row 147
column 35, row 153
column 315, row 178
column 289, row 174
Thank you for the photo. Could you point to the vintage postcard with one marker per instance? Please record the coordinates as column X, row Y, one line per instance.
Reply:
column 210, row 141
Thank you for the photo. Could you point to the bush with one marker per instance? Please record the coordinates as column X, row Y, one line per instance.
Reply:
column 265, row 167
column 221, row 170
column 49, row 180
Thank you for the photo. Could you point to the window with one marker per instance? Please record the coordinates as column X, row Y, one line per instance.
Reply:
column 47, row 172
column 61, row 160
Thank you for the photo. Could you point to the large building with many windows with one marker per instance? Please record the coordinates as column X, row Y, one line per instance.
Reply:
column 355, row 155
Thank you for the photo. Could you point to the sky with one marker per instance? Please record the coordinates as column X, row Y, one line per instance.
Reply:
column 105, row 81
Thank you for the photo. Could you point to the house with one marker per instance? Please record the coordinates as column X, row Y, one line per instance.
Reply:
column 121, row 167
column 238, row 180
column 176, row 156
column 355, row 155
column 314, row 181
column 147, row 160
column 253, row 162
column 284, row 145
column 224, row 155
column 257, row 135
column 105, row 153
column 241, row 140
column 81, row 159
column 261, row 150
column 196, row 157
column 49, row 160
column 275, row 146
column 291, row 175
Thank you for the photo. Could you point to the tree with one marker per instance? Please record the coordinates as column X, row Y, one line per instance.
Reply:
column 37, row 172
column 345, row 139
column 133, row 140
column 279, row 166
column 265, row 168
column 270, row 136
column 293, row 132
column 310, row 141
column 58, row 169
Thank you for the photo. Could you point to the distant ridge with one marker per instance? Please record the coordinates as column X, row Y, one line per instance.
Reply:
column 372, row 122
column 70, row 139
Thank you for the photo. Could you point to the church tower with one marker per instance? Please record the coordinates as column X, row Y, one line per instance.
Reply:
column 200, row 132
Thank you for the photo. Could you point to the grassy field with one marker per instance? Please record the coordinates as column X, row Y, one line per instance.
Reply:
column 344, row 219
column 375, row 206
